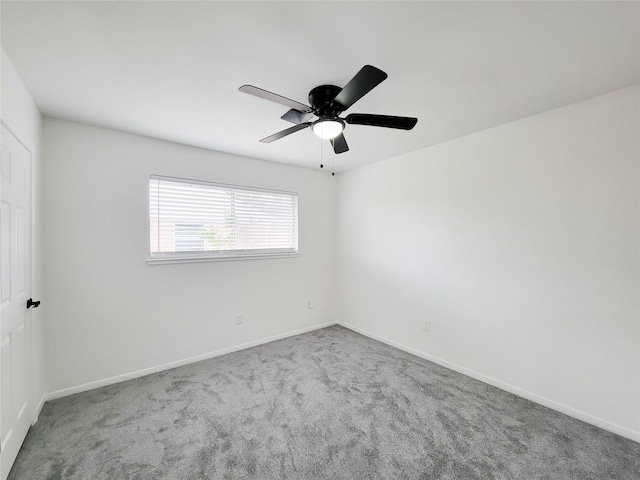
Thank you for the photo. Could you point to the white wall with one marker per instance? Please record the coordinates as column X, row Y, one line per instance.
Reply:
column 109, row 313
column 23, row 118
column 520, row 245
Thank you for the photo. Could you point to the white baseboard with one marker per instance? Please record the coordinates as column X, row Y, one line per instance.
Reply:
column 572, row 412
column 178, row 363
column 39, row 408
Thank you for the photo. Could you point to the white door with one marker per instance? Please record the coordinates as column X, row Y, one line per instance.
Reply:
column 15, row 287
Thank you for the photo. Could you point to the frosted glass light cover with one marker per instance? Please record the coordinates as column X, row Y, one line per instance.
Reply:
column 328, row 128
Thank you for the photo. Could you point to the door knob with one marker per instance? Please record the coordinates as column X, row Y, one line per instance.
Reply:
column 31, row 303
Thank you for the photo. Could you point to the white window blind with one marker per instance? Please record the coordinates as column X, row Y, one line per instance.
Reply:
column 192, row 219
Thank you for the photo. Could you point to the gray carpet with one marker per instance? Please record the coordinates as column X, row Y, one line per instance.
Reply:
column 330, row 404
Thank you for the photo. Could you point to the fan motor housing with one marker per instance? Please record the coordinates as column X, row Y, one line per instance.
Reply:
column 321, row 100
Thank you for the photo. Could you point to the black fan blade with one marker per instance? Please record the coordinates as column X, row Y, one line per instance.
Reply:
column 296, row 116
column 403, row 123
column 365, row 80
column 284, row 133
column 274, row 97
column 339, row 144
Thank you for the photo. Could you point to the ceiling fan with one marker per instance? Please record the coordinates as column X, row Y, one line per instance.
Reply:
column 327, row 103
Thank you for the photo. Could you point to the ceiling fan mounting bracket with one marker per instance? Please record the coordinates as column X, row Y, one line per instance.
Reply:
column 321, row 100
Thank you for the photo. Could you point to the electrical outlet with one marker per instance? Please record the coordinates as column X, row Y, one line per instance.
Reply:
column 426, row 325
column 311, row 305
column 239, row 319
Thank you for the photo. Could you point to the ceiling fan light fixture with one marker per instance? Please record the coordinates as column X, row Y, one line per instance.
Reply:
column 328, row 128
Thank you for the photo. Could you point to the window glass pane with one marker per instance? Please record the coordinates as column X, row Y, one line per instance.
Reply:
column 188, row 237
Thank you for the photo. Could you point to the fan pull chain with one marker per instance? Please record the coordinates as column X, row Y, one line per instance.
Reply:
column 321, row 165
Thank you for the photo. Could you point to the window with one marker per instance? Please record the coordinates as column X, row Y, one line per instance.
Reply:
column 192, row 220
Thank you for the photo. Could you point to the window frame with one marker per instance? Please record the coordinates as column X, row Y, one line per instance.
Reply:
column 160, row 258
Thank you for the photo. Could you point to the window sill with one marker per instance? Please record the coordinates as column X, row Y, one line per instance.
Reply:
column 218, row 258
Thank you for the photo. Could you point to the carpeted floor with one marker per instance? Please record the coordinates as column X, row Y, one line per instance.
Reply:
column 330, row 404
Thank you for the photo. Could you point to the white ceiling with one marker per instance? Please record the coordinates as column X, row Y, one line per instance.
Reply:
column 171, row 70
